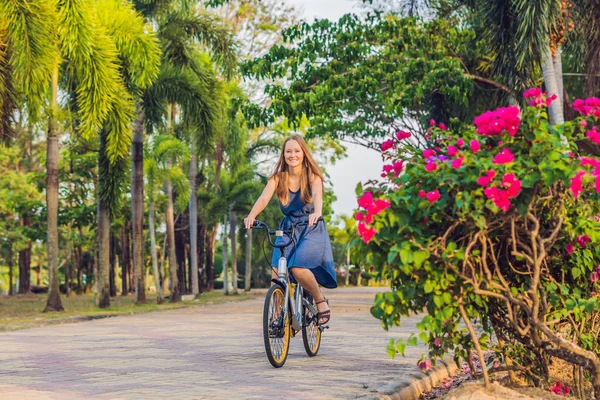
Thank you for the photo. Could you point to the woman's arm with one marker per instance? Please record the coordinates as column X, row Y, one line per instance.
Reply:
column 317, row 194
column 261, row 203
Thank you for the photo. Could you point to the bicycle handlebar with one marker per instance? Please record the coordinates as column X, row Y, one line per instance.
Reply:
column 278, row 232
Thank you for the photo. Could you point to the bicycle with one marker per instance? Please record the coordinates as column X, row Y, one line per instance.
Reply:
column 285, row 315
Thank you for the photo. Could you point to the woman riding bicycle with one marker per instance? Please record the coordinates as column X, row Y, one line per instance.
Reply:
column 298, row 183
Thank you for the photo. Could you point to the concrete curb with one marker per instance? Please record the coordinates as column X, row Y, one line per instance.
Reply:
column 417, row 383
column 58, row 321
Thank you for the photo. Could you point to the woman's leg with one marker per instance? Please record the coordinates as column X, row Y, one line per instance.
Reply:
column 308, row 281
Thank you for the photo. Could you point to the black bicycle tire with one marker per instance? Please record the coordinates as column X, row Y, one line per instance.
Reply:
column 277, row 363
column 311, row 352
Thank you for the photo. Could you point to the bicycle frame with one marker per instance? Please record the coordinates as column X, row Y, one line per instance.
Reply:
column 297, row 301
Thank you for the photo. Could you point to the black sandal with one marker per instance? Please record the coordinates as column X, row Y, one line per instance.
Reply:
column 324, row 314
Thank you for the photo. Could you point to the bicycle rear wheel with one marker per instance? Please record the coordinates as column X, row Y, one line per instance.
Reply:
column 311, row 334
column 276, row 327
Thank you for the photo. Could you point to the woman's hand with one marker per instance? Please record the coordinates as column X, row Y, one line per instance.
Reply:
column 313, row 218
column 249, row 221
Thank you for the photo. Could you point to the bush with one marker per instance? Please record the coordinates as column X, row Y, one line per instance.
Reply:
column 498, row 223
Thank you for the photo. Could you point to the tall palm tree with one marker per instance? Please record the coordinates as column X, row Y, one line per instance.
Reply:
column 519, row 34
column 91, row 67
column 158, row 170
column 188, row 84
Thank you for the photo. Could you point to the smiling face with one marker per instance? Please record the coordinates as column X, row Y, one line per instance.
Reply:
column 293, row 154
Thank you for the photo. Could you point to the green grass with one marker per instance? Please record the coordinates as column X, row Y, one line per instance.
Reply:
column 25, row 311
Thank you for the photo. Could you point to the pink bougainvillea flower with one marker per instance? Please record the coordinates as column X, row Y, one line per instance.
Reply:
column 431, row 122
column 422, row 194
column 425, row 365
column 570, row 248
column 457, row 162
column 428, row 153
column 452, row 150
column 366, row 200
column 359, row 216
column 443, row 126
column 437, row 342
column 388, row 168
column 430, row 167
column 460, row 142
column 484, row 180
column 504, row 157
column 434, row 196
column 475, row 146
column 487, row 179
column 494, row 123
column 378, row 206
column 582, row 240
column 594, row 277
column 597, row 183
column 594, row 135
column 368, row 218
column 576, row 186
column 532, row 93
column 587, row 107
column 388, row 144
column 499, row 197
column 366, row 232
column 512, row 184
column 583, row 123
column 397, row 166
column 585, row 161
column 401, row 135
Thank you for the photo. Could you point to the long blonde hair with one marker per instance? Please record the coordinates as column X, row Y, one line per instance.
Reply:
column 309, row 169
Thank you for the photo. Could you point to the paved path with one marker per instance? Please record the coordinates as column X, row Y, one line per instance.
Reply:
column 209, row 352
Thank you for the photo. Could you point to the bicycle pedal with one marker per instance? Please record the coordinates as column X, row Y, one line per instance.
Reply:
column 323, row 327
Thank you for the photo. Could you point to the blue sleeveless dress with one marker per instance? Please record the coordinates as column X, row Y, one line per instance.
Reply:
column 313, row 250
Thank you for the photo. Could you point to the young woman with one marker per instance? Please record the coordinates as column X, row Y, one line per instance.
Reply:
column 298, row 183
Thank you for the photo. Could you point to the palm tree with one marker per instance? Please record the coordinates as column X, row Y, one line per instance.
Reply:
column 187, row 80
column 519, row 33
column 158, row 170
column 91, row 69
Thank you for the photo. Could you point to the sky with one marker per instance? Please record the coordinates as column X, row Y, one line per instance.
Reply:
column 360, row 164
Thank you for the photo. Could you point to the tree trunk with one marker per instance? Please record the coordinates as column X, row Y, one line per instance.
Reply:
column 211, row 240
column 25, row 270
column 125, row 257
column 102, row 278
column 248, row 283
column 175, row 296
column 194, row 227
column 10, row 270
column 225, row 254
column 201, row 254
column 347, row 267
column 555, row 111
column 137, row 206
column 79, row 263
column 163, row 257
column 112, row 261
column 180, row 239
column 157, row 280
column 232, row 232
column 52, row 157
column 558, row 72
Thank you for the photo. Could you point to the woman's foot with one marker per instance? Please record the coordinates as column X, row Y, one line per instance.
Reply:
column 324, row 312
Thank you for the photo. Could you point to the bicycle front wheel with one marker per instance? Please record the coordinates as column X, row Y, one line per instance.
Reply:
column 276, row 327
column 311, row 334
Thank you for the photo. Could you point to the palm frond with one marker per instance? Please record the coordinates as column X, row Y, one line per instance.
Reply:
column 202, row 27
column 33, row 47
column 93, row 63
column 136, row 41
column 7, row 92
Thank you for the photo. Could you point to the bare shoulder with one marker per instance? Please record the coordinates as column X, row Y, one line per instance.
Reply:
column 315, row 179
